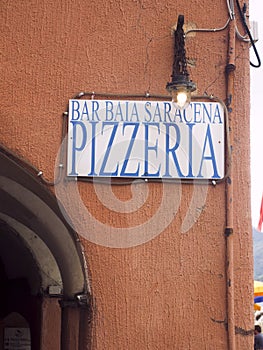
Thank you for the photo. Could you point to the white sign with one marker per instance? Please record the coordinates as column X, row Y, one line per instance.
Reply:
column 149, row 139
column 17, row 338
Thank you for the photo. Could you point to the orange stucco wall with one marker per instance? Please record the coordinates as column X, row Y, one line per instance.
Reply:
column 169, row 292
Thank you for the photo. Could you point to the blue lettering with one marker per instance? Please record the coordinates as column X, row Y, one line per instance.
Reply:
column 197, row 112
column 106, row 156
column 217, row 115
column 178, row 114
column 125, row 163
column 93, row 148
column 95, row 108
column 147, row 119
column 126, row 110
column 85, row 111
column 109, row 112
column 157, row 113
column 118, row 112
column 208, row 138
column 148, row 148
column 207, row 113
column 75, row 109
column 134, row 113
column 74, row 145
column 190, row 152
column 167, row 110
column 172, row 149
column 185, row 116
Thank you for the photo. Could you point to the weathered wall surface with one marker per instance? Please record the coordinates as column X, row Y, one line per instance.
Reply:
column 170, row 292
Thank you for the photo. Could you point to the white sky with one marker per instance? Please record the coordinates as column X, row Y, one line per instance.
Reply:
column 256, row 11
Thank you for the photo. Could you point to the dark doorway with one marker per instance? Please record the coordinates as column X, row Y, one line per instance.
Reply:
column 42, row 269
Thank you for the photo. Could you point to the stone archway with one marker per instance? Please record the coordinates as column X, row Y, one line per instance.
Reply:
column 38, row 247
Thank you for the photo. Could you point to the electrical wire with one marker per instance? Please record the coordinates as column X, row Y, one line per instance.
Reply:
column 243, row 18
column 231, row 13
column 247, row 38
column 205, row 30
column 231, row 10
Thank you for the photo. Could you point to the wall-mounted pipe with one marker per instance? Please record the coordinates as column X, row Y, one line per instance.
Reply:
column 229, row 232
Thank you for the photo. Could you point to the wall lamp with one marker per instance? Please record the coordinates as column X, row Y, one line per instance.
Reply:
column 181, row 86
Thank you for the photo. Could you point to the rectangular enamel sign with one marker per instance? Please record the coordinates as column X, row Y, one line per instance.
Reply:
column 149, row 139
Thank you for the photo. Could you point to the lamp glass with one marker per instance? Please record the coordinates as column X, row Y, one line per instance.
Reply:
column 181, row 97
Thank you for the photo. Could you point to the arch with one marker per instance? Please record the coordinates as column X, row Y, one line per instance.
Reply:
column 41, row 260
column 31, row 212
